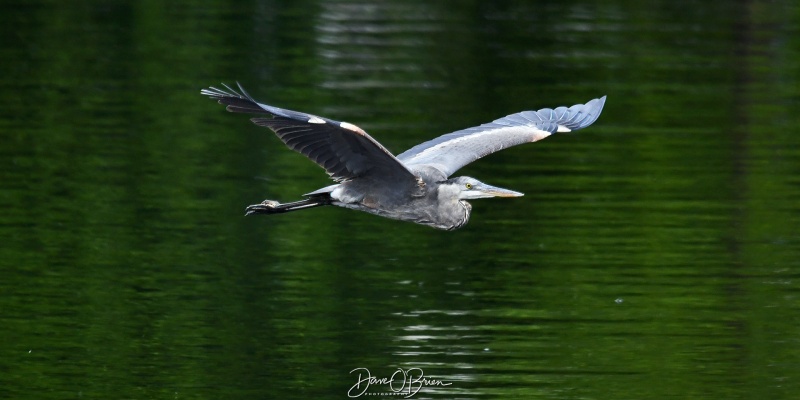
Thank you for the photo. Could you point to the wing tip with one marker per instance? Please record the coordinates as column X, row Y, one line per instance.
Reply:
column 591, row 112
column 601, row 101
column 217, row 93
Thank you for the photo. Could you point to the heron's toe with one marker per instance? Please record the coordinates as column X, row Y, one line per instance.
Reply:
column 265, row 207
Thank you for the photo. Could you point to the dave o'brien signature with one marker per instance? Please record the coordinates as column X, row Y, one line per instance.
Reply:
column 406, row 381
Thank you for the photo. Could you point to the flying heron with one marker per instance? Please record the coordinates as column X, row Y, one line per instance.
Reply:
column 413, row 186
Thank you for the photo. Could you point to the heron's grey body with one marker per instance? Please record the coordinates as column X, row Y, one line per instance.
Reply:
column 433, row 201
column 415, row 186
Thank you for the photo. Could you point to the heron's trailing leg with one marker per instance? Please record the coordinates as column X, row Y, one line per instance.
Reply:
column 274, row 207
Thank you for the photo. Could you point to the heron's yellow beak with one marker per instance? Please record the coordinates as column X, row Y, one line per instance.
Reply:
column 494, row 191
column 482, row 191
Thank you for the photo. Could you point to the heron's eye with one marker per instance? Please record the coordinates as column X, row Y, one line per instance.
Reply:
column 469, row 186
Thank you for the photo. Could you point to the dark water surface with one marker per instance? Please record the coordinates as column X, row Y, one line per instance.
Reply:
column 655, row 255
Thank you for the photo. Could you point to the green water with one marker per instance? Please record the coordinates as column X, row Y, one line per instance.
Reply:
column 655, row 254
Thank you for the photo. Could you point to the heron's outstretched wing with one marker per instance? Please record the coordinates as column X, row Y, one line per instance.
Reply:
column 452, row 151
column 344, row 150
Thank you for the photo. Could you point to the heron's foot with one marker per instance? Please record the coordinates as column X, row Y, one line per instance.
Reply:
column 265, row 207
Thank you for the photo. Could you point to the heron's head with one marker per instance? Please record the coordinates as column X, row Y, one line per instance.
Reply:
column 471, row 188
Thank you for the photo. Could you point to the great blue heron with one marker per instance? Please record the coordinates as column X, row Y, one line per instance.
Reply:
column 413, row 186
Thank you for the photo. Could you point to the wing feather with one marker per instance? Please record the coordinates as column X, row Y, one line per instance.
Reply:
column 344, row 150
column 448, row 153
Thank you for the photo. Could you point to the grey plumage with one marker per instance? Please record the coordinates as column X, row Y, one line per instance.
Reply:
column 414, row 186
column 454, row 150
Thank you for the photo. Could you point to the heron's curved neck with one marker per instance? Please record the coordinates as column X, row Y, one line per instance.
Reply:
column 467, row 210
column 451, row 212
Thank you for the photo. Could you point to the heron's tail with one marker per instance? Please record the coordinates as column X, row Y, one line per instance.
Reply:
column 274, row 207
